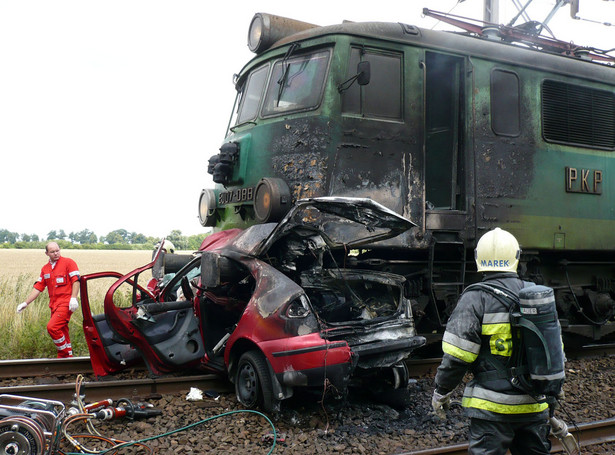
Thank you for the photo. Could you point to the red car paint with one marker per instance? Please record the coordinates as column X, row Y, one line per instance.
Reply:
column 267, row 291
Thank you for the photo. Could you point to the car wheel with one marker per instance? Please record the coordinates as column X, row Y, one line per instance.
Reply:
column 253, row 384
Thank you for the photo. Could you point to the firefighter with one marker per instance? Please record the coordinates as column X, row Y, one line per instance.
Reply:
column 477, row 336
column 167, row 247
column 61, row 278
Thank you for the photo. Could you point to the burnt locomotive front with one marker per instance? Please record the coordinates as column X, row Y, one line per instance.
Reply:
column 456, row 133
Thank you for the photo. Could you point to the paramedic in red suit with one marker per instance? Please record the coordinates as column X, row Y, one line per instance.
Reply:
column 61, row 278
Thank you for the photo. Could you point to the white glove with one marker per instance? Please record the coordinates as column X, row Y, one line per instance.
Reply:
column 440, row 403
column 21, row 307
column 73, row 305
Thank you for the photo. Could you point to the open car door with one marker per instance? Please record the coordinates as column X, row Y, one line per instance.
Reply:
column 108, row 352
column 165, row 332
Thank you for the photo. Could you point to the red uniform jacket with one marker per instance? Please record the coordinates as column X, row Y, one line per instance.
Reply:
column 58, row 281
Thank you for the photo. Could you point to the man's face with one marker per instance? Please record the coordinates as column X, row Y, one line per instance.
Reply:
column 53, row 252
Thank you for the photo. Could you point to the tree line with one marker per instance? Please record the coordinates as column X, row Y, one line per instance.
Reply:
column 87, row 239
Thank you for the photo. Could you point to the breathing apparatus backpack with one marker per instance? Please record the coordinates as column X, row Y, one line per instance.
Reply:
column 536, row 365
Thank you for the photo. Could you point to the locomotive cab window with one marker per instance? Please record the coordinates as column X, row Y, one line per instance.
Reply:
column 251, row 96
column 382, row 96
column 505, row 116
column 296, row 83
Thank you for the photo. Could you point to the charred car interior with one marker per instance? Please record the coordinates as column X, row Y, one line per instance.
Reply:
column 274, row 306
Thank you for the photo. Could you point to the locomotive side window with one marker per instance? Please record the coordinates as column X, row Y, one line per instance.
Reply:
column 296, row 84
column 505, row 117
column 382, row 96
column 578, row 115
column 252, row 95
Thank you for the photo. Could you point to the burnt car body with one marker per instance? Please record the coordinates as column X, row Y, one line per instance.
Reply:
column 274, row 306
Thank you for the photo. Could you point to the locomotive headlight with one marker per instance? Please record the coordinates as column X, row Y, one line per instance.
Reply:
column 207, row 208
column 265, row 29
column 271, row 200
column 255, row 33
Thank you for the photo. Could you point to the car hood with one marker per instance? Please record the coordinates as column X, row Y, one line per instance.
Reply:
column 348, row 221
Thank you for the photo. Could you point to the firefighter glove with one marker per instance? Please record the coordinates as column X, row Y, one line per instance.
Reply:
column 22, row 306
column 440, row 403
column 73, row 305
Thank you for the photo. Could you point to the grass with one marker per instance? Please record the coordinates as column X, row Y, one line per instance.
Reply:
column 25, row 335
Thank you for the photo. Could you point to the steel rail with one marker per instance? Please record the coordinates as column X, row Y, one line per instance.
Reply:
column 30, row 368
column 40, row 367
column 82, row 365
column 130, row 388
column 588, row 434
column 422, row 367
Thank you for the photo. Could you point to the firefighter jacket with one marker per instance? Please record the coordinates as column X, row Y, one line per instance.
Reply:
column 477, row 335
column 58, row 280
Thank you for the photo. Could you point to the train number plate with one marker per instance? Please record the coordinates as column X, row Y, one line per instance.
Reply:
column 235, row 196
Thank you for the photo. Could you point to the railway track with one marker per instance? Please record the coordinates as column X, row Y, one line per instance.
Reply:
column 105, row 387
column 588, row 434
column 63, row 389
column 41, row 367
column 100, row 389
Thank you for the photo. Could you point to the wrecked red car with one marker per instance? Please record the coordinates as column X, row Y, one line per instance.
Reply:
column 274, row 306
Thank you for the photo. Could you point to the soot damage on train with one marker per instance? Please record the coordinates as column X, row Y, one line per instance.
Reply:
column 275, row 306
column 362, row 163
column 459, row 132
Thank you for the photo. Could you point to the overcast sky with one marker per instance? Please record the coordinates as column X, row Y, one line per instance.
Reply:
column 109, row 110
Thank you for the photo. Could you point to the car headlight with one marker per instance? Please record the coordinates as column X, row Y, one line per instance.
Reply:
column 298, row 308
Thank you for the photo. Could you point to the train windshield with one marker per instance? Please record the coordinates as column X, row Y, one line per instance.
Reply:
column 295, row 84
column 252, row 95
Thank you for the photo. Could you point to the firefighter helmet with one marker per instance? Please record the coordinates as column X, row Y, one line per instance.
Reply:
column 497, row 251
column 167, row 246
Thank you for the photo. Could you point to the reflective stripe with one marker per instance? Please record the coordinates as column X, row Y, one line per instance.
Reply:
column 76, row 272
column 502, row 408
column 537, row 302
column 501, row 403
column 496, row 318
column 460, row 354
column 461, row 343
column 492, row 329
column 59, row 340
column 549, row 377
column 61, row 347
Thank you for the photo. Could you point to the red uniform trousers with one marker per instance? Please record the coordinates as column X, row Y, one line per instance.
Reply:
column 57, row 327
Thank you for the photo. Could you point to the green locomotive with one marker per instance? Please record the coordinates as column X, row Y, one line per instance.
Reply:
column 457, row 132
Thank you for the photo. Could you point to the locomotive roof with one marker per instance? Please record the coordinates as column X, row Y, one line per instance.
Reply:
column 462, row 43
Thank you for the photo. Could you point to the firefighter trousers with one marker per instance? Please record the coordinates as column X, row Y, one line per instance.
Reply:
column 521, row 438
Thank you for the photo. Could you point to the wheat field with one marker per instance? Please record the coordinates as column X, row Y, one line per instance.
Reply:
column 24, row 335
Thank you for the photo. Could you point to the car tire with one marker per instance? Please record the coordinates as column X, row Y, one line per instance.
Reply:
column 253, row 385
